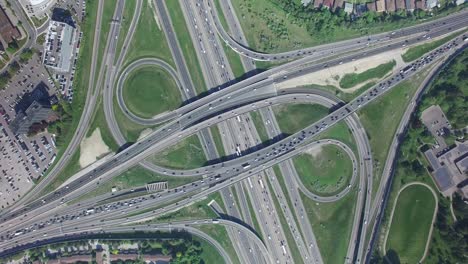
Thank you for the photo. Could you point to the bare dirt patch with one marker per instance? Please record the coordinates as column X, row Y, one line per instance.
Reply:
column 332, row 75
column 144, row 133
column 314, row 151
column 92, row 148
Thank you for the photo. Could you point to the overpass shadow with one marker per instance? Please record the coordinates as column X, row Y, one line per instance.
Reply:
column 241, row 222
column 249, row 150
column 392, row 257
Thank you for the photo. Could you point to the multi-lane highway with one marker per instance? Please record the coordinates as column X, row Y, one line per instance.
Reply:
column 50, row 214
column 295, row 139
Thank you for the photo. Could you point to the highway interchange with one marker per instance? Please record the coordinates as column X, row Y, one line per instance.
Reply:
column 225, row 108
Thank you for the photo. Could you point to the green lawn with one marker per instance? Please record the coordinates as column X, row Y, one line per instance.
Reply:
column 130, row 130
column 352, row 79
column 327, row 172
column 332, row 224
column 185, row 42
column 259, row 125
column 198, row 210
column 411, row 223
column 448, row 90
column 151, row 90
column 209, row 253
column 340, row 132
column 415, row 52
column 381, row 118
column 280, row 25
column 129, row 11
column 218, row 140
column 38, row 21
column 234, row 61
column 268, row 28
column 187, row 154
column 107, row 14
column 220, row 234
column 148, row 39
column 136, row 177
column 304, row 115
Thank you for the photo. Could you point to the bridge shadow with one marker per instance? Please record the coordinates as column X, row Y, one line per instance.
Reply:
column 241, row 222
column 392, row 257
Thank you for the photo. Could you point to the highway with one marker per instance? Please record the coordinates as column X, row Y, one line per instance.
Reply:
column 223, row 107
column 361, row 42
column 353, row 105
column 311, row 129
column 211, row 60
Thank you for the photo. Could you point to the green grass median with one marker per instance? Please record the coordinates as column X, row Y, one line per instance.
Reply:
column 352, row 79
column 332, row 224
column 148, row 40
column 304, row 115
column 416, row 52
column 187, row 154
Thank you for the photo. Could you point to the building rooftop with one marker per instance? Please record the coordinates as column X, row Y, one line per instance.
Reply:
column 348, row 7
column 437, row 123
column 58, row 48
column 450, row 168
column 7, row 30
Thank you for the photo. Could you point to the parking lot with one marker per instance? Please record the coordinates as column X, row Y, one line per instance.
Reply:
column 23, row 159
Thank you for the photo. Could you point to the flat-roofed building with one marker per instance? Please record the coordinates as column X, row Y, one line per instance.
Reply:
column 58, row 47
column 348, row 7
column 35, row 113
column 450, row 168
column 437, row 123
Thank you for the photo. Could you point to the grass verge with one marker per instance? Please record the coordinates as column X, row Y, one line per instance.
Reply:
column 187, row 154
column 220, row 234
column 304, row 115
column 186, row 45
column 381, row 118
column 412, row 220
column 128, row 12
column 416, row 52
column 148, row 40
column 332, row 224
column 352, row 79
